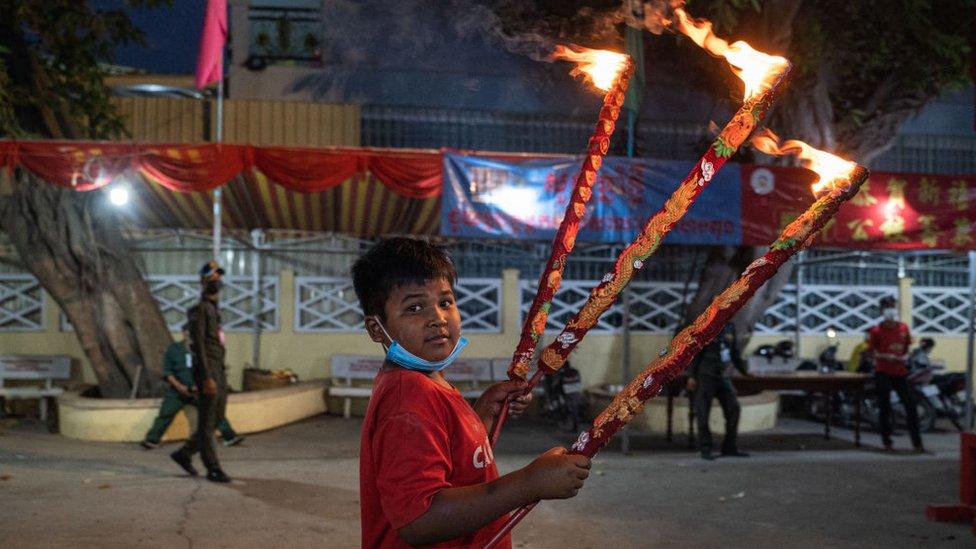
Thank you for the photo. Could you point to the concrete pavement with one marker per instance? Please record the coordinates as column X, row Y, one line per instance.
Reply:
column 297, row 486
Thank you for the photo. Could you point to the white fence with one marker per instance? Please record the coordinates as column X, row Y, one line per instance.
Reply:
column 177, row 293
column 845, row 309
column 21, row 303
column 329, row 304
column 655, row 307
column 940, row 310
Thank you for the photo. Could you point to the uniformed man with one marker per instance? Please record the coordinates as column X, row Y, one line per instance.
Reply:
column 207, row 346
column 182, row 391
column 708, row 378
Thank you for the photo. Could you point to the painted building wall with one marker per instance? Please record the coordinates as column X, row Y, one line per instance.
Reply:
column 246, row 122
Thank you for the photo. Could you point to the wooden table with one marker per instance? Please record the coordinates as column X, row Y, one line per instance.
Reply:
column 812, row 381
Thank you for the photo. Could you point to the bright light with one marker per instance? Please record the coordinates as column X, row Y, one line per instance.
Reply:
column 831, row 333
column 119, row 196
column 518, row 202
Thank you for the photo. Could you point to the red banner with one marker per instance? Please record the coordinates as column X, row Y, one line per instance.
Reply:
column 892, row 210
column 86, row 166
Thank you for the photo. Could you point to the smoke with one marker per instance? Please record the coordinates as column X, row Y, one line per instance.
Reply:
column 540, row 36
column 655, row 16
column 471, row 19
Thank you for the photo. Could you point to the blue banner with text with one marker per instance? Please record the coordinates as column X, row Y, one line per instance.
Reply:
column 525, row 198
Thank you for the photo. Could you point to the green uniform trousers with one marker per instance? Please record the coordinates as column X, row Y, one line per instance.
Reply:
column 173, row 402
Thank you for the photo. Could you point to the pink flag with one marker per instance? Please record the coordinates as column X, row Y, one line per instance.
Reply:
column 210, row 61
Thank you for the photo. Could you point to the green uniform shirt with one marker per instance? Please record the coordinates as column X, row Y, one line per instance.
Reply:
column 178, row 362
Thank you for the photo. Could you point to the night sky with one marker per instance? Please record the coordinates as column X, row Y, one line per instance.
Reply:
column 172, row 37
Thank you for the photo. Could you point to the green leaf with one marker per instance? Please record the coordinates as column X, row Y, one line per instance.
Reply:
column 722, row 149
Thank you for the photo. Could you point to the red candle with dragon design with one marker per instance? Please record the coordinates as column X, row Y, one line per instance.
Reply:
column 839, row 181
column 607, row 71
column 763, row 76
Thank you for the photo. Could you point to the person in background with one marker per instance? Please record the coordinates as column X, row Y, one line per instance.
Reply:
column 207, row 346
column 708, row 378
column 920, row 357
column 888, row 343
column 859, row 356
column 178, row 373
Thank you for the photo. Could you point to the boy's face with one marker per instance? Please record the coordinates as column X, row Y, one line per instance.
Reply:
column 423, row 318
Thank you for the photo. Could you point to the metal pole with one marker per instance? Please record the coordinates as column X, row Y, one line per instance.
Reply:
column 799, row 302
column 971, row 340
column 219, row 138
column 625, row 433
column 257, row 239
column 631, row 116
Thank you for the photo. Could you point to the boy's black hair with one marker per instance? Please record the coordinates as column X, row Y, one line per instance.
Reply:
column 888, row 301
column 396, row 261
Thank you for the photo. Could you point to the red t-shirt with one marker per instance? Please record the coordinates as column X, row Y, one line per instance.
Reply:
column 890, row 342
column 418, row 438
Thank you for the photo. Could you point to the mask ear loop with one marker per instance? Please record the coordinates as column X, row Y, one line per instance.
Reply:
column 387, row 334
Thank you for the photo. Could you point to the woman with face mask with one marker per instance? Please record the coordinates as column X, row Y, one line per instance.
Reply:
column 889, row 343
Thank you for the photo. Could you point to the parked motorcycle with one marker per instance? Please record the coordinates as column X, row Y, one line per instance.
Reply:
column 782, row 349
column 564, row 397
column 844, row 411
column 844, row 404
column 946, row 393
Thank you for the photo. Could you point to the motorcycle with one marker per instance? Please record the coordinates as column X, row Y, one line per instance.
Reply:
column 564, row 397
column 945, row 393
column 844, row 404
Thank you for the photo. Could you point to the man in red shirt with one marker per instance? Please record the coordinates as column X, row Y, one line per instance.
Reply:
column 426, row 470
column 889, row 343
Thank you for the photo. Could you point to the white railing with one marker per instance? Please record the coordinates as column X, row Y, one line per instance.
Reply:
column 655, row 307
column 21, row 303
column 939, row 311
column 329, row 304
column 845, row 309
column 177, row 293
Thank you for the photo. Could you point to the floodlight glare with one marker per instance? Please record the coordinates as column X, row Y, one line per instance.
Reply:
column 119, row 196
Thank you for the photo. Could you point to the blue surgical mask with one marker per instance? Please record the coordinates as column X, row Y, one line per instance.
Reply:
column 398, row 355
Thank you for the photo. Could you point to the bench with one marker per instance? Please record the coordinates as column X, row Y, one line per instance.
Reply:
column 352, row 376
column 34, row 367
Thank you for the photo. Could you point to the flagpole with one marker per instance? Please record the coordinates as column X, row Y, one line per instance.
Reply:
column 219, row 138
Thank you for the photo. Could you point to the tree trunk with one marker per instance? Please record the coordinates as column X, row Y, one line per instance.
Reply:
column 75, row 249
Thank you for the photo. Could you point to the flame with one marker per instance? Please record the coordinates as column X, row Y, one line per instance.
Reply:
column 756, row 69
column 827, row 166
column 599, row 67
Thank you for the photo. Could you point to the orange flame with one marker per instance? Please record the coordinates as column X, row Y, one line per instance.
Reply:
column 827, row 166
column 756, row 69
column 599, row 67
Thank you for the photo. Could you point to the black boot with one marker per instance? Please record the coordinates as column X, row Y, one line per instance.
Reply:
column 185, row 462
column 217, row 475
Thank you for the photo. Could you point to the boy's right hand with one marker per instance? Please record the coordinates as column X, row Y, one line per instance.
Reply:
column 557, row 474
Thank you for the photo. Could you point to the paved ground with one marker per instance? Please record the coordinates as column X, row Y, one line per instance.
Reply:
column 297, row 487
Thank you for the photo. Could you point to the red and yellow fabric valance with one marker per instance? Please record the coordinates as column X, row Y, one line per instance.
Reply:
column 365, row 192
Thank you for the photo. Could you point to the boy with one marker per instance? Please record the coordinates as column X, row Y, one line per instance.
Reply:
column 426, row 470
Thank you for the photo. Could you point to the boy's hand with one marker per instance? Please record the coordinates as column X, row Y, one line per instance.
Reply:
column 489, row 405
column 557, row 474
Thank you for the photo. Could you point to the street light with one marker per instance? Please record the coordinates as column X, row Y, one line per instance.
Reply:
column 119, row 195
